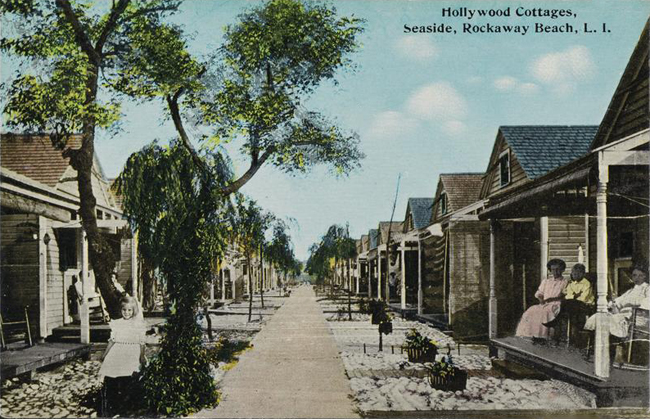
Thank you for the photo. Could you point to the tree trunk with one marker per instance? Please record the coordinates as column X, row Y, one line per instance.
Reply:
column 349, row 294
column 149, row 285
column 262, row 279
column 101, row 255
column 250, row 289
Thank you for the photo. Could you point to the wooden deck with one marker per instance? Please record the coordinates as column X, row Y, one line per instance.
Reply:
column 28, row 359
column 627, row 388
column 406, row 313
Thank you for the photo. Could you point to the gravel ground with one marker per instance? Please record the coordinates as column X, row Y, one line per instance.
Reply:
column 386, row 381
column 60, row 392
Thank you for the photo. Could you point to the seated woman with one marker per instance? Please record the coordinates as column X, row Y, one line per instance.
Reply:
column 550, row 292
column 620, row 310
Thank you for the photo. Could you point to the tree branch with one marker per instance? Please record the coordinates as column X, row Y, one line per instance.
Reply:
column 111, row 23
column 80, row 35
column 254, row 167
column 172, row 103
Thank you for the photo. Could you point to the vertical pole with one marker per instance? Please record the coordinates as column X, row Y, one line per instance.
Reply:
column 601, row 362
column 420, row 293
column 84, row 311
column 222, row 276
column 493, row 294
column 543, row 247
column 378, row 273
column 134, row 269
column 403, row 266
column 42, row 279
column 233, row 282
column 586, row 263
column 358, row 275
column 370, row 271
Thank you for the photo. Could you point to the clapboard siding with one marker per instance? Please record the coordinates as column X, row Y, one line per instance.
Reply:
column 517, row 175
column 565, row 234
column 55, row 288
column 634, row 116
column 19, row 266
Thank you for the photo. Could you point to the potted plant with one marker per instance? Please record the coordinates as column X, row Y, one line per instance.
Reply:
column 444, row 375
column 420, row 348
column 378, row 312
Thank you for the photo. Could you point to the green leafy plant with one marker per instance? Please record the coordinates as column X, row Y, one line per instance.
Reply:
column 445, row 375
column 415, row 340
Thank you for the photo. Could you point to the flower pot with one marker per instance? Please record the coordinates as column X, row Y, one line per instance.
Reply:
column 455, row 382
column 419, row 355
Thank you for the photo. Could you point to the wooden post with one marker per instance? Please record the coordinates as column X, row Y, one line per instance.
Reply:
column 601, row 349
column 370, row 272
column 378, row 273
column 586, row 263
column 492, row 329
column 403, row 266
column 84, row 310
column 42, row 279
column 420, row 292
column 222, row 274
column 137, row 292
column 233, row 282
column 543, row 247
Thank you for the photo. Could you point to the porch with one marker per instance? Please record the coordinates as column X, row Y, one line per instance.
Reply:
column 624, row 387
column 24, row 360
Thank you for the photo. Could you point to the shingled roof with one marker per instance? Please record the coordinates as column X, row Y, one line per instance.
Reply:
column 542, row 148
column 462, row 189
column 374, row 235
column 34, row 156
column 395, row 230
column 420, row 209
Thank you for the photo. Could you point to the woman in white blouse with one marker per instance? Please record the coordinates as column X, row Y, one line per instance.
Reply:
column 620, row 310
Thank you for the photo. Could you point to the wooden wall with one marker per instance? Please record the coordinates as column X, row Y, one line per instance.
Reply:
column 20, row 267
column 565, row 234
column 634, row 116
column 492, row 184
column 56, row 291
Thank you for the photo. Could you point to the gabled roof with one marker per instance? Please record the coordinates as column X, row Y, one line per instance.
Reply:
column 420, row 209
column 373, row 235
column 34, row 156
column 635, row 75
column 462, row 189
column 395, row 230
column 364, row 243
column 542, row 148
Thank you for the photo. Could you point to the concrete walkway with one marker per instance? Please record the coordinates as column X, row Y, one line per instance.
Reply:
column 293, row 371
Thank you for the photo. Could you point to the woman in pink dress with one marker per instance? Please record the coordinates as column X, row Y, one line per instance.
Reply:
column 533, row 322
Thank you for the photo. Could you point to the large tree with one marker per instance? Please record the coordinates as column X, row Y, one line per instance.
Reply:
column 70, row 51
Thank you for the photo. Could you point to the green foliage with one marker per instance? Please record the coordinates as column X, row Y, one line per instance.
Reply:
column 415, row 340
column 177, row 381
column 444, row 368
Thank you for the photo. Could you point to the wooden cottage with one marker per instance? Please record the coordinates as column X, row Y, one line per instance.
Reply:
column 373, row 260
column 387, row 254
column 43, row 250
column 593, row 206
column 362, row 264
column 461, row 266
column 416, row 220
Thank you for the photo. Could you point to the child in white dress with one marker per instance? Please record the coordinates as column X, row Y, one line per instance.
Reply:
column 124, row 354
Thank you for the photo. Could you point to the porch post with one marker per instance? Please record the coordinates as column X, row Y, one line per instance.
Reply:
column 222, row 276
column 493, row 294
column 84, row 311
column 420, row 295
column 370, row 268
column 601, row 363
column 403, row 296
column 543, row 246
column 233, row 282
column 378, row 273
column 134, row 268
column 42, row 280
column 358, row 275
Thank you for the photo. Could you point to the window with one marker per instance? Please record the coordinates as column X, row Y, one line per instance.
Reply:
column 443, row 203
column 504, row 168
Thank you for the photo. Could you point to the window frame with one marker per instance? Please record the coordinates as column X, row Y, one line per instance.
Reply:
column 505, row 154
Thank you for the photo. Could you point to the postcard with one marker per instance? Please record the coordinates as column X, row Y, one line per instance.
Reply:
column 296, row 208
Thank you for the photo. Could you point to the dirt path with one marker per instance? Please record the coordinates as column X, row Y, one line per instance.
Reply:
column 294, row 369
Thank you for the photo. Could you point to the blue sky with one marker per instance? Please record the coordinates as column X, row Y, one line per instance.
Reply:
column 423, row 104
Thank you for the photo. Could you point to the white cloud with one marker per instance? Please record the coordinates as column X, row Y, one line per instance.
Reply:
column 437, row 101
column 416, row 47
column 528, row 88
column 390, row 124
column 564, row 69
column 454, row 127
column 505, row 83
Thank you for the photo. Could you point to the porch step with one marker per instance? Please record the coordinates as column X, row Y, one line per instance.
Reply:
column 72, row 333
column 516, row 371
